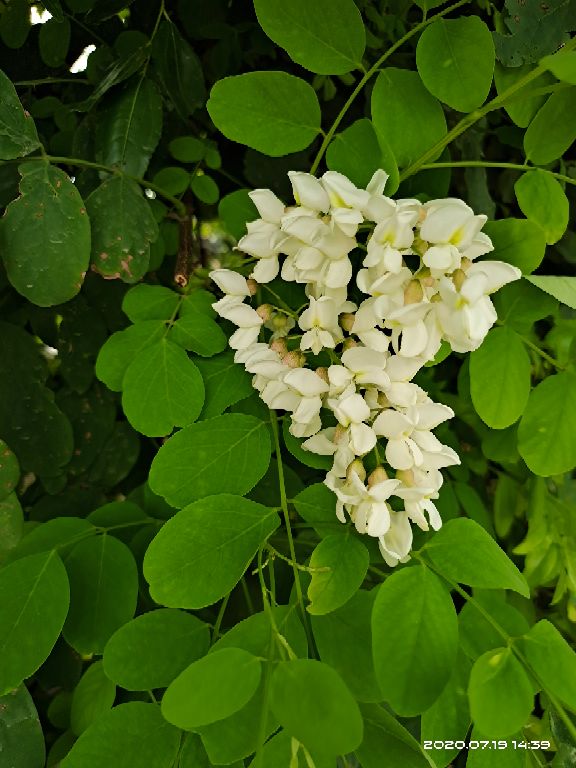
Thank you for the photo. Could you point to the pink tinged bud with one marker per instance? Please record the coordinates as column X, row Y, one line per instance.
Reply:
column 406, row 476
column 339, row 433
column 413, row 293
column 348, row 344
column 252, row 286
column 265, row 312
column 294, row 359
column 323, row 373
column 346, row 321
column 377, row 476
column 357, row 467
column 279, row 345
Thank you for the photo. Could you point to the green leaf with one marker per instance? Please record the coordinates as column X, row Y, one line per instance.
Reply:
column 326, row 37
column 18, row 136
column 400, row 106
column 553, row 661
column 387, row 743
column 520, row 242
column 356, row 153
column 187, row 149
column 20, row 731
column 500, row 693
column 477, row 633
column 312, row 703
column 205, row 188
column 172, row 179
column 59, row 533
column 562, row 288
column 122, row 229
column 496, row 758
column 521, row 110
column 9, row 470
column 316, row 504
column 132, row 735
column 449, row 717
column 500, row 374
column 423, row 640
column 235, row 210
column 11, row 525
column 346, row 561
column 103, row 592
column 150, row 302
column 129, row 129
column 344, row 641
column 202, row 552
column 151, row 650
column 255, row 633
column 562, row 65
column 54, row 41
column 520, row 304
column 543, row 201
column 34, row 598
column 225, row 383
column 546, row 432
column 15, row 23
column 162, row 389
column 122, row 347
column 279, row 751
column 45, row 269
column 199, row 333
column 462, row 551
column 272, row 112
column 93, row 696
column 179, row 69
column 212, row 688
column 226, row 454
column 309, row 459
column 455, row 59
column 553, row 129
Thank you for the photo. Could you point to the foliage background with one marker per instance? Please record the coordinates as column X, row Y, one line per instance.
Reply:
column 121, row 188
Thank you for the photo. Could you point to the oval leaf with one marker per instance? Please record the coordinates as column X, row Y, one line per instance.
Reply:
column 422, row 641
column 45, row 267
column 226, row 454
column 272, row 112
column 342, row 562
column 562, row 288
column 552, row 659
column 553, row 129
column 18, row 136
column 543, row 201
column 519, row 242
column 21, row 731
column 212, row 688
column 202, row 552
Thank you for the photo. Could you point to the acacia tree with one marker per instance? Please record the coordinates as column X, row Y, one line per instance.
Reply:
column 217, row 470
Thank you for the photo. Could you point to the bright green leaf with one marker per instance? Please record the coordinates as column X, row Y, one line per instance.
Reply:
column 202, row 552
column 553, row 660
column 546, row 432
column 235, row 210
column 187, row 149
column 521, row 110
column 562, row 288
column 151, row 650
column 500, row 693
column 562, row 65
column 455, row 59
column 162, row 389
column 34, row 599
column 103, row 592
column 346, row 560
column 553, row 129
column 401, row 105
column 59, row 533
column 312, row 703
column 122, row 347
column 387, row 743
column 93, row 696
column 519, row 242
column 45, row 267
column 542, row 200
column 226, row 454
column 205, row 188
column 150, row 302
column 272, row 112
column 414, row 623
column 500, row 372
column 225, row 383
column 356, row 153
column 200, row 334
column 326, row 36
column 212, row 688
column 316, row 504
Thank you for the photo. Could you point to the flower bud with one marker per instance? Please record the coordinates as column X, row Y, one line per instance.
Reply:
column 348, row 344
column 323, row 373
column 458, row 277
column 419, row 246
column 252, row 286
column 377, row 476
column 357, row 467
column 465, row 262
column 294, row 359
column 346, row 321
column 413, row 294
column 405, row 476
column 265, row 311
column 279, row 345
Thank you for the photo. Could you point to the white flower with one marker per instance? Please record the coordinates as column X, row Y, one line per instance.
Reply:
column 308, row 387
column 366, row 506
column 268, row 205
column 320, row 323
column 396, row 543
column 418, row 489
column 451, row 222
column 352, row 411
column 308, row 191
column 233, row 284
column 393, row 236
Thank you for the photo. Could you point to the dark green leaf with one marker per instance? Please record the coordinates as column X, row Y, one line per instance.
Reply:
column 93, row 696
column 18, row 135
column 162, row 389
column 356, row 153
column 272, row 112
column 34, row 598
column 205, row 189
column 9, row 470
column 103, row 591
column 535, row 29
column 11, row 525
column 15, row 23
column 423, row 641
column 61, row 534
column 226, row 454
column 225, row 383
column 187, row 149
column 517, row 241
column 153, row 649
column 202, row 552
column 54, row 41
column 326, row 36
column 20, row 731
column 235, row 210
column 179, row 68
column 45, row 267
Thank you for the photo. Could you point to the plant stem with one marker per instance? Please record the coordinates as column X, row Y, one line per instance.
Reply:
column 489, row 164
column 373, row 69
column 220, row 616
column 544, row 355
column 469, row 120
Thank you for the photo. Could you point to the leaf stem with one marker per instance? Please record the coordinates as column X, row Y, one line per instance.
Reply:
column 544, row 355
column 373, row 69
column 489, row 164
column 220, row 617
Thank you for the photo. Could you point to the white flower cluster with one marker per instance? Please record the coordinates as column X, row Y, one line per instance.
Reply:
column 418, row 284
